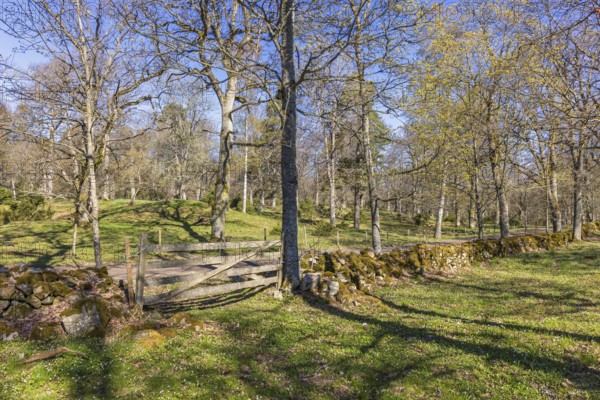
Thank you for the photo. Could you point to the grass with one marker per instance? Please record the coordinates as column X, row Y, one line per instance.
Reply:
column 524, row 327
column 48, row 242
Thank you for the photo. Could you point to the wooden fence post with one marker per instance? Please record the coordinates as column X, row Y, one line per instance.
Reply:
column 265, row 234
column 280, row 270
column 141, row 270
column 160, row 236
column 130, row 290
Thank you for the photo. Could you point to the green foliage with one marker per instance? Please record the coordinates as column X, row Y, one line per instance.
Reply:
column 422, row 220
column 323, row 228
column 27, row 208
column 5, row 195
column 307, row 210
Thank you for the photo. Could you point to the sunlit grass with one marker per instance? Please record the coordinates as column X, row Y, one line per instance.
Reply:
column 524, row 327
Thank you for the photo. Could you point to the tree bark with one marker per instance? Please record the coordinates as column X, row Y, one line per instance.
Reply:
column 440, row 212
column 330, row 157
column 357, row 201
column 245, row 190
column 578, row 183
column 221, row 201
column 289, row 173
column 93, row 199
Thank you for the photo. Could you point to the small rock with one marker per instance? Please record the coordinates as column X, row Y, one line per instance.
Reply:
column 4, row 304
column 33, row 301
column 6, row 291
column 333, row 287
column 310, row 282
column 42, row 290
column 25, row 289
column 340, row 277
column 48, row 301
column 278, row 295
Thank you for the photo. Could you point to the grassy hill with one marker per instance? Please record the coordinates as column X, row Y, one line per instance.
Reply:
column 180, row 221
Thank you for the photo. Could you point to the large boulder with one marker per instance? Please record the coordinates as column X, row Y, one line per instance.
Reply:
column 87, row 316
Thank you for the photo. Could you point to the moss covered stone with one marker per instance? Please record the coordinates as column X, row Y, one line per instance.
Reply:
column 88, row 316
column 18, row 310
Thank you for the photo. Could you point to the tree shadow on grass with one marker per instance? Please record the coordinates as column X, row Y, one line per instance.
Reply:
column 581, row 375
column 503, row 325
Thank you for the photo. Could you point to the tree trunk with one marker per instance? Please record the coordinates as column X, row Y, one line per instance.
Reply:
column 503, row 218
column 555, row 211
column 357, row 201
column 366, row 141
column 93, row 196
column 245, row 190
column 578, row 183
column 330, row 156
column 289, row 173
column 221, row 201
column 13, row 189
column 440, row 212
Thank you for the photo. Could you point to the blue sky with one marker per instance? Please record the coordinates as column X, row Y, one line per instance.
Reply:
column 7, row 46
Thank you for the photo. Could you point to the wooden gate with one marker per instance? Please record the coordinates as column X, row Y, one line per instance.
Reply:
column 223, row 269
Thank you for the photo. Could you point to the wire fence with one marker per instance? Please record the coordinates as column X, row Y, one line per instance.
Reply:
column 42, row 254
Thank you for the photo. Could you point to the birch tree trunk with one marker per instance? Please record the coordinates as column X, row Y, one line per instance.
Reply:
column 245, row 191
column 440, row 213
column 330, row 157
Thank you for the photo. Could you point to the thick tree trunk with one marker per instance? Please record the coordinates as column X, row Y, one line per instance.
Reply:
column 221, row 201
column 289, row 173
column 440, row 212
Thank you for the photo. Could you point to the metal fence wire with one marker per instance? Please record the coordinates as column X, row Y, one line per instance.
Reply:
column 40, row 254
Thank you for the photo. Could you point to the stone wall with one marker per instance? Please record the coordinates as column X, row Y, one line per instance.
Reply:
column 356, row 274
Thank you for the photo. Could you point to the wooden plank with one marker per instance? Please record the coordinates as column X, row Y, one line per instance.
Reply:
column 169, row 280
column 200, row 261
column 205, row 276
column 141, row 270
column 212, row 290
column 155, row 248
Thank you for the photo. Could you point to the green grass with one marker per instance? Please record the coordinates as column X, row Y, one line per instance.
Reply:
column 48, row 242
column 524, row 327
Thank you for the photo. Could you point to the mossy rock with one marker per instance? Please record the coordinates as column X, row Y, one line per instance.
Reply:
column 41, row 290
column 28, row 278
column 78, row 274
column 7, row 290
column 60, row 289
column 18, row 310
column 33, row 301
column 88, row 316
column 149, row 338
column 50, row 276
column 45, row 331
column 8, row 332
